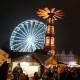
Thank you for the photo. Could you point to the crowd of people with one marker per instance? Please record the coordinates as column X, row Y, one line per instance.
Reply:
column 66, row 73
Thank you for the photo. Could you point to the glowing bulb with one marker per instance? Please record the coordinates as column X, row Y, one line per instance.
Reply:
column 29, row 39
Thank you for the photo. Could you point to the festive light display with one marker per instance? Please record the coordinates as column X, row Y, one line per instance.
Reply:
column 28, row 36
column 46, row 13
column 50, row 16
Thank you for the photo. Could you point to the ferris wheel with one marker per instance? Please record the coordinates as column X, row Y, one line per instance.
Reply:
column 28, row 36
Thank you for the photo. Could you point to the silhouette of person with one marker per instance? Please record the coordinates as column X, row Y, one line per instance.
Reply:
column 17, row 71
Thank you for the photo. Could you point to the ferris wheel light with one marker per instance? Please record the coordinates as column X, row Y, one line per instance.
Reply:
column 28, row 36
column 29, row 39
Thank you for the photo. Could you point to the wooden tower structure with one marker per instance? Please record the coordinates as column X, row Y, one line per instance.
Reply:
column 50, row 16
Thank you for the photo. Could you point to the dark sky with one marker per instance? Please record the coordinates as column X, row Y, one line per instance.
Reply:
column 13, row 12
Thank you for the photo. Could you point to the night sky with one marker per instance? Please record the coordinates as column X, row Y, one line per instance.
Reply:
column 13, row 12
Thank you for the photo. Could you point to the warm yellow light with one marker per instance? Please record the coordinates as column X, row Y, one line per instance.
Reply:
column 44, row 13
column 45, row 17
column 52, row 41
column 24, row 64
column 47, row 41
column 27, row 69
column 48, row 29
column 52, row 29
column 47, row 10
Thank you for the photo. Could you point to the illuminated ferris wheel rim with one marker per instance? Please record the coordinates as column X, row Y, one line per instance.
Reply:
column 29, row 23
column 32, row 20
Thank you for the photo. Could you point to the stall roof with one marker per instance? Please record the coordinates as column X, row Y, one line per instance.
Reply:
column 38, row 55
